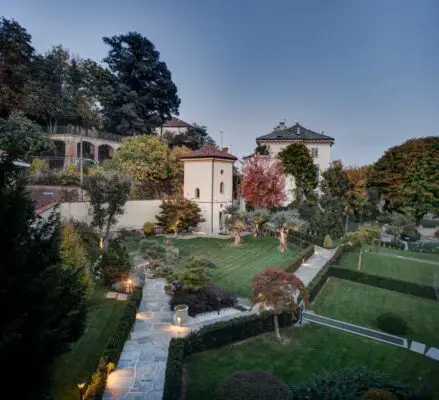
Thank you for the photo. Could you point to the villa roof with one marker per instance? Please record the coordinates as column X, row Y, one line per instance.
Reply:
column 295, row 132
column 175, row 122
column 209, row 152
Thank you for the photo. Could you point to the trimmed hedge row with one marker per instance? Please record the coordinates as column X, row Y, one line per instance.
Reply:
column 110, row 357
column 293, row 266
column 414, row 289
column 319, row 280
column 317, row 240
column 211, row 337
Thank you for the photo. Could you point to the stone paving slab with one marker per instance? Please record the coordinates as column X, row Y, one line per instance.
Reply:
column 417, row 347
column 433, row 353
column 122, row 296
column 111, row 295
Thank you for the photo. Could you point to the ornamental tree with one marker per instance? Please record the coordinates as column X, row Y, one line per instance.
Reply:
column 108, row 194
column 398, row 224
column 284, row 221
column 177, row 213
column 298, row 162
column 257, row 218
column 407, row 176
column 366, row 235
column 144, row 95
column 236, row 223
column 149, row 164
column 263, row 183
column 276, row 290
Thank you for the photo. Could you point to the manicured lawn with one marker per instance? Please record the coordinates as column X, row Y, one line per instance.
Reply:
column 312, row 349
column 361, row 304
column 236, row 265
column 404, row 270
column 84, row 356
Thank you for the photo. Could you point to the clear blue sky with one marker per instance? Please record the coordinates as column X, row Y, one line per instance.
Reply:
column 364, row 71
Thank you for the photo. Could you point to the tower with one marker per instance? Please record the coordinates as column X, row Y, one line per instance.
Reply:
column 208, row 181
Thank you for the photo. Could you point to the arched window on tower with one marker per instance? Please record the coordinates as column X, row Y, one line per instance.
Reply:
column 222, row 187
column 197, row 193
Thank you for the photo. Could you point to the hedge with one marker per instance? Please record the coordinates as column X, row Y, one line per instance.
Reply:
column 414, row 289
column 424, row 247
column 293, row 266
column 211, row 337
column 110, row 357
column 319, row 280
column 317, row 240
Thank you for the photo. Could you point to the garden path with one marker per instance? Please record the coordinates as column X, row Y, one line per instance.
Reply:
column 309, row 269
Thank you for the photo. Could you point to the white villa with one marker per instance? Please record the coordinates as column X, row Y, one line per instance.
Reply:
column 175, row 126
column 318, row 144
column 208, row 181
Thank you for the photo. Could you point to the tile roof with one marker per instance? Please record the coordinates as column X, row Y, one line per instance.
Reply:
column 209, row 152
column 175, row 122
column 295, row 132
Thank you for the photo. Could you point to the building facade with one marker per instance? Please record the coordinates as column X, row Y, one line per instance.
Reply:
column 319, row 146
column 173, row 126
column 208, row 181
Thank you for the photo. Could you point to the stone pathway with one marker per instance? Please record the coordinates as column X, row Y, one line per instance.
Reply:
column 140, row 372
column 309, row 269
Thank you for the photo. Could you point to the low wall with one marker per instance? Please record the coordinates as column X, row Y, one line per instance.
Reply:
column 137, row 212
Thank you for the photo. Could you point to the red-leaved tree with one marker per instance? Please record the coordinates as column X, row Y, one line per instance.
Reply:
column 263, row 182
column 277, row 290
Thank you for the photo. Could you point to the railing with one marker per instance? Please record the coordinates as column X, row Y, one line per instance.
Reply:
column 91, row 133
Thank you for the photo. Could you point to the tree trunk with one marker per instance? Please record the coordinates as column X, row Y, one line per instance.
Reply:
column 237, row 238
column 359, row 257
column 276, row 326
column 282, row 240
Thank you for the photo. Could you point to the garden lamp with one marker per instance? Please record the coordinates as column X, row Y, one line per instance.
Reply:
column 81, row 385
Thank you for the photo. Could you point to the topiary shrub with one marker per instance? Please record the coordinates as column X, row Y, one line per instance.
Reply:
column 327, row 242
column 252, row 385
column 114, row 264
column 148, row 228
column 379, row 394
column 392, row 323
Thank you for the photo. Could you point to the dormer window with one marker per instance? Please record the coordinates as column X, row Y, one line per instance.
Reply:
column 222, row 187
column 197, row 193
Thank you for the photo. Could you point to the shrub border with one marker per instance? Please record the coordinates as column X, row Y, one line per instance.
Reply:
column 304, row 255
column 330, row 269
column 214, row 336
column 108, row 361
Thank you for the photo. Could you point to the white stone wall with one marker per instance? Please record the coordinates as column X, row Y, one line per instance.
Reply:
column 173, row 130
column 137, row 212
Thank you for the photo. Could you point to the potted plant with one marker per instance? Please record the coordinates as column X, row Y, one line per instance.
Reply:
column 181, row 313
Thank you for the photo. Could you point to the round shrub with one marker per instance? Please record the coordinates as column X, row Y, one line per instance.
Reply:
column 392, row 323
column 148, row 228
column 252, row 385
column 379, row 394
column 327, row 242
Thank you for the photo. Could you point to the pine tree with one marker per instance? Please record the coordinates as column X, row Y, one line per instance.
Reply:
column 196, row 274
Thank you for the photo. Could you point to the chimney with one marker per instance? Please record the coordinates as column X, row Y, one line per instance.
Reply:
column 280, row 126
column 322, row 132
column 298, row 130
column 225, row 149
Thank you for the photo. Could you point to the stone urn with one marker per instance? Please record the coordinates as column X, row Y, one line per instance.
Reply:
column 181, row 313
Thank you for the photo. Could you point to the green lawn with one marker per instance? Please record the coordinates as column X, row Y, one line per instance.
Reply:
column 361, row 304
column 312, row 349
column 82, row 360
column 236, row 265
column 404, row 270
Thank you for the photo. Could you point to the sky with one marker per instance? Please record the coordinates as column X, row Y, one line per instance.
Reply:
column 364, row 71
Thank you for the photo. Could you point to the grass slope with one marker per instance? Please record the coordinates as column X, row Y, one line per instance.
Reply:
column 361, row 304
column 83, row 358
column 312, row 349
column 404, row 270
column 236, row 265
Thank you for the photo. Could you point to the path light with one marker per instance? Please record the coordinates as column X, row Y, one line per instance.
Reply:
column 129, row 282
column 81, row 385
column 101, row 243
column 179, row 321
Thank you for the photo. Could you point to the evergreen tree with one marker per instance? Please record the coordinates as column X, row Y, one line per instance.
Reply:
column 144, row 95
column 196, row 274
column 298, row 162
column 44, row 302
column 16, row 55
